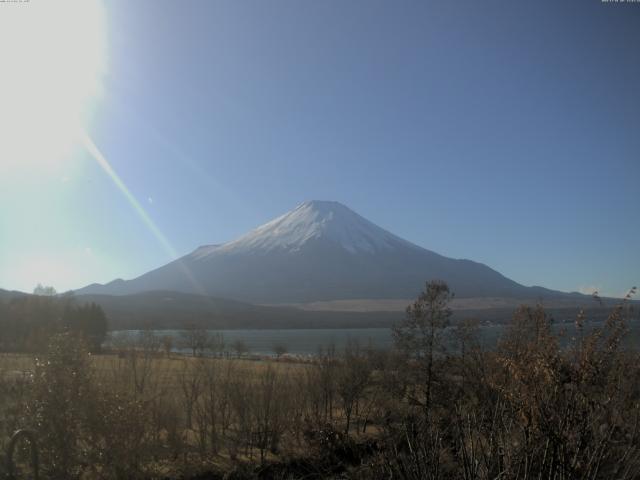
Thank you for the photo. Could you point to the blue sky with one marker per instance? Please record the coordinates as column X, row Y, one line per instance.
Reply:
column 505, row 132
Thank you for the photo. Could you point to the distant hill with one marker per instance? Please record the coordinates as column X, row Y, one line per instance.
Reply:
column 175, row 310
column 6, row 295
column 321, row 251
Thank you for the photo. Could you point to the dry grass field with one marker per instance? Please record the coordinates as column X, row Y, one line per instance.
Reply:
column 537, row 406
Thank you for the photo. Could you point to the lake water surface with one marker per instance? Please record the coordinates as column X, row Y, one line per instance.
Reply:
column 309, row 341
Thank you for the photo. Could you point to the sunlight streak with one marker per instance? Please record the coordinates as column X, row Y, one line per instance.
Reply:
column 54, row 56
column 138, row 208
column 163, row 141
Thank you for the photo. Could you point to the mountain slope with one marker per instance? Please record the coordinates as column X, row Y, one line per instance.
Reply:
column 6, row 295
column 174, row 310
column 319, row 251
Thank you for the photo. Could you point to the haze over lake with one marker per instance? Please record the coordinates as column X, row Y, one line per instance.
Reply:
column 310, row 341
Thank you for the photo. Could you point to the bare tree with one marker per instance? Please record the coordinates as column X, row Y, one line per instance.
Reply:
column 167, row 344
column 353, row 374
column 215, row 344
column 269, row 408
column 214, row 409
column 419, row 337
column 280, row 349
column 45, row 291
column 240, row 347
column 196, row 339
column 190, row 382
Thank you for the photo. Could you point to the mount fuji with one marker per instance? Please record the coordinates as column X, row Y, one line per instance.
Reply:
column 320, row 251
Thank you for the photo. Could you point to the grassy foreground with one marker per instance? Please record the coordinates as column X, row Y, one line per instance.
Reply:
column 538, row 406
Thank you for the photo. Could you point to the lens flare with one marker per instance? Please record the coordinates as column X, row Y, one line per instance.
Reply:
column 53, row 59
column 138, row 208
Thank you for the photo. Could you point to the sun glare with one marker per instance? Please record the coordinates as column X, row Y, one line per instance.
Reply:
column 53, row 57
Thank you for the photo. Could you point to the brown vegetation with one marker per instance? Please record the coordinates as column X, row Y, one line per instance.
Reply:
column 429, row 409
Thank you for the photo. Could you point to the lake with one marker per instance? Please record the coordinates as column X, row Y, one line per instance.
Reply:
column 308, row 341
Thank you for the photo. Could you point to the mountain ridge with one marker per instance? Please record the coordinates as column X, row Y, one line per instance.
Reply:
column 311, row 220
column 319, row 251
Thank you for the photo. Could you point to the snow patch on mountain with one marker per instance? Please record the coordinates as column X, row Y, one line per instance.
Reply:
column 312, row 220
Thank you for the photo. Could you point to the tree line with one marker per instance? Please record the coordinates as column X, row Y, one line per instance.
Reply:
column 28, row 322
column 536, row 406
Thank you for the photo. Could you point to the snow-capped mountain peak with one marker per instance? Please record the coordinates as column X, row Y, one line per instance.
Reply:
column 318, row 251
column 312, row 220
